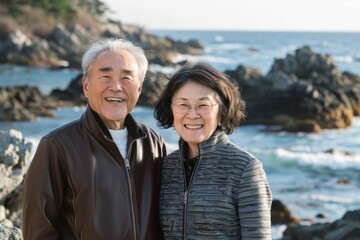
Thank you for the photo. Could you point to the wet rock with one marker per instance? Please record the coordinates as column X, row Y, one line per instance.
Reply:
column 22, row 103
column 280, row 214
column 302, row 92
column 345, row 228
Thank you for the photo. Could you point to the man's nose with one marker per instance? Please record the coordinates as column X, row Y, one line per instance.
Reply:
column 117, row 85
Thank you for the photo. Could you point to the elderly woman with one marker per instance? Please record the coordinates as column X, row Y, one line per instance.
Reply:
column 210, row 188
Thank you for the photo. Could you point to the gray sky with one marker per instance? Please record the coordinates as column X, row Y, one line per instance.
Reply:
column 270, row 15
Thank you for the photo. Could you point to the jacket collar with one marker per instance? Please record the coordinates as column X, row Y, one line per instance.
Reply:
column 94, row 124
column 217, row 140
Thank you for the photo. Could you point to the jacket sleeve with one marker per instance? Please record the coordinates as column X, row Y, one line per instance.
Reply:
column 254, row 202
column 43, row 193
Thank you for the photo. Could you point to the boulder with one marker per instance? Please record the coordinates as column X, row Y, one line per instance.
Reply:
column 302, row 92
column 18, row 48
column 22, row 103
column 11, row 233
column 280, row 214
column 14, row 154
column 346, row 228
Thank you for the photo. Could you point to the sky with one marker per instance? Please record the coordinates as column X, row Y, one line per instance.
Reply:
column 241, row 15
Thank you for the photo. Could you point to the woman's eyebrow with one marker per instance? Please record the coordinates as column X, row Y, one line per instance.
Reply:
column 186, row 99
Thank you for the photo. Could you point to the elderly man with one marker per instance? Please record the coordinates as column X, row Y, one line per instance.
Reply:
column 98, row 177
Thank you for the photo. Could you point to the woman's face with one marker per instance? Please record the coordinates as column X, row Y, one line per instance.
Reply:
column 196, row 113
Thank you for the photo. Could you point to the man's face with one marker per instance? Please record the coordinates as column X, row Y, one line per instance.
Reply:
column 113, row 86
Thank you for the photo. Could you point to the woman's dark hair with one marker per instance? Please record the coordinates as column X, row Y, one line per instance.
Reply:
column 232, row 107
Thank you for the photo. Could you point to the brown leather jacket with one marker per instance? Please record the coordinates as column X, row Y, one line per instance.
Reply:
column 79, row 187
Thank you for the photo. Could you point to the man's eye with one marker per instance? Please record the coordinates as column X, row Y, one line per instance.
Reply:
column 105, row 79
column 128, row 79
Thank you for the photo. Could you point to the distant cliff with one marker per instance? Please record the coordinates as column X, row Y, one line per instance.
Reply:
column 37, row 36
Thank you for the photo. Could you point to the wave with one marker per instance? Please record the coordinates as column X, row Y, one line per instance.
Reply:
column 227, row 46
column 345, row 59
column 161, row 69
column 206, row 58
column 336, row 159
column 327, row 198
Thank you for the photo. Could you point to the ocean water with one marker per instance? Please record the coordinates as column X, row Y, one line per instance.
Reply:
column 302, row 172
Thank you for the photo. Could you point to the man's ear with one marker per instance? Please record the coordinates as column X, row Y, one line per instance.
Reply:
column 140, row 87
column 85, row 84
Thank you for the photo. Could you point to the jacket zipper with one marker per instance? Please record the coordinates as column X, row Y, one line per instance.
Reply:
column 186, row 196
column 128, row 175
column 185, row 214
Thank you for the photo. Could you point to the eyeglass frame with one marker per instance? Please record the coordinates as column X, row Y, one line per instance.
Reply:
column 196, row 107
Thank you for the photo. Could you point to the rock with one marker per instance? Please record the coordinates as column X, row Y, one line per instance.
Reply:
column 345, row 228
column 73, row 95
column 338, row 152
column 65, row 46
column 305, row 87
column 10, row 233
column 152, row 87
column 280, row 214
column 22, row 103
column 342, row 181
column 18, row 48
column 14, row 154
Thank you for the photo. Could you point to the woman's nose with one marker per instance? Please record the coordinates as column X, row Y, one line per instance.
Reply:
column 193, row 111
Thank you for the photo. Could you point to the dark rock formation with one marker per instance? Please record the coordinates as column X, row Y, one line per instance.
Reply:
column 302, row 92
column 64, row 47
column 73, row 95
column 346, row 228
column 154, row 83
column 22, row 103
column 280, row 214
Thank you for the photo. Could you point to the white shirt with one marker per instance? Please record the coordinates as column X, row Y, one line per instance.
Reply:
column 120, row 139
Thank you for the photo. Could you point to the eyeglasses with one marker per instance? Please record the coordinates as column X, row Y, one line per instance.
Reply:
column 203, row 108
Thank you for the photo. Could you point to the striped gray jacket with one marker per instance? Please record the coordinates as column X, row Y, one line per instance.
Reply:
column 228, row 195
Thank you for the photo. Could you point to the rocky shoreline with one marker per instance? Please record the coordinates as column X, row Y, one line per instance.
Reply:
column 303, row 92
column 15, row 152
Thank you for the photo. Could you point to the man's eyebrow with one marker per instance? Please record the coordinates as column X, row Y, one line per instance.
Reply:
column 105, row 69
column 129, row 72
column 110, row 69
